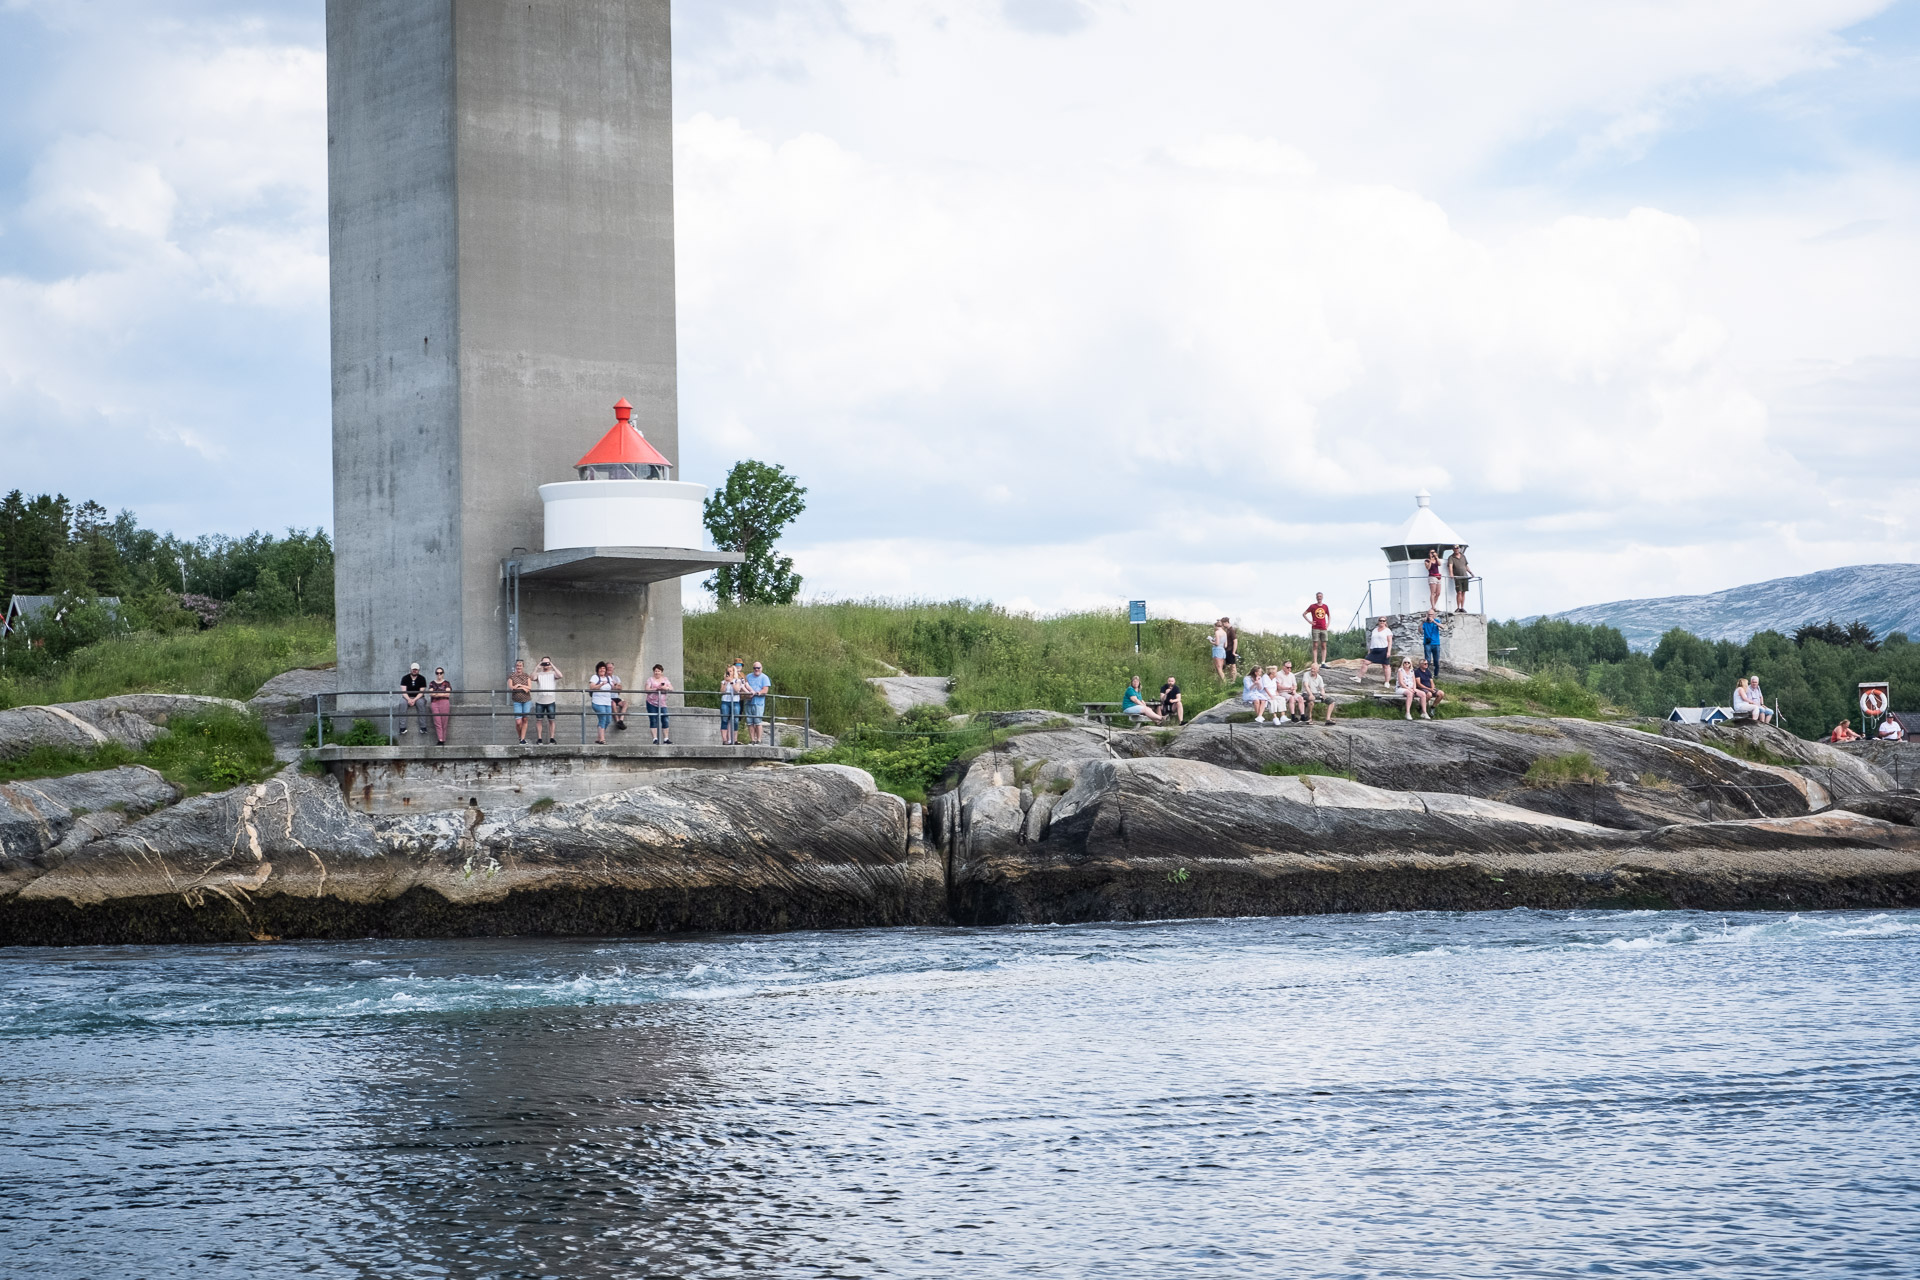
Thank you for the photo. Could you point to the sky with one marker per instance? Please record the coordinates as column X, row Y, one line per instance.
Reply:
column 1061, row 303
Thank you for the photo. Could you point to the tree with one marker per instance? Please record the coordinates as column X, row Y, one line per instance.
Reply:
column 747, row 515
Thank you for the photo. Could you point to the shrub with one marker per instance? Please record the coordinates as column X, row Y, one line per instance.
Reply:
column 1563, row 770
column 1304, row 769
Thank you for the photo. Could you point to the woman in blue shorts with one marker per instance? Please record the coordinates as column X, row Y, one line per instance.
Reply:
column 520, row 690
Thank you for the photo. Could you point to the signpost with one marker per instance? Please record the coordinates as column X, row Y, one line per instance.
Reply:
column 1136, row 614
column 1875, row 698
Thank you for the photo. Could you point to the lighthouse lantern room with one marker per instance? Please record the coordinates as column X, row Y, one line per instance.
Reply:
column 1407, row 557
column 623, row 497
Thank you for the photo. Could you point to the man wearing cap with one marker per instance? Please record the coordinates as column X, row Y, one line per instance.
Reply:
column 413, row 691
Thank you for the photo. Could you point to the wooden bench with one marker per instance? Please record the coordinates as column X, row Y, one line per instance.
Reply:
column 1108, row 713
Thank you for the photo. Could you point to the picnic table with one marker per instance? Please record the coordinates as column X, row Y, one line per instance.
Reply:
column 1104, row 712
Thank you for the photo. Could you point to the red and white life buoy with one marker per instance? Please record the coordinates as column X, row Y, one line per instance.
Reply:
column 1874, row 702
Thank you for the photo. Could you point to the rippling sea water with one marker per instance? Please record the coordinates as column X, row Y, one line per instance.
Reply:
column 1514, row 1094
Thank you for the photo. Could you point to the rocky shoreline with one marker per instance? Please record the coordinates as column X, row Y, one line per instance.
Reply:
column 1057, row 825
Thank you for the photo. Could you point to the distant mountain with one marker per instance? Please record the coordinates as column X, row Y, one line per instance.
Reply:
column 1884, row 596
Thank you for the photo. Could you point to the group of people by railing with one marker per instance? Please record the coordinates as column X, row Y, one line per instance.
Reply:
column 534, row 697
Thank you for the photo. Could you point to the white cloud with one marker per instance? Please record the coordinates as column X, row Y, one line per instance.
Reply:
column 1060, row 302
column 1194, row 268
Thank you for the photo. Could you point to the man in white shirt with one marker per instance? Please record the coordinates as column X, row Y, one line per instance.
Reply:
column 1313, row 688
column 1892, row 730
column 546, row 701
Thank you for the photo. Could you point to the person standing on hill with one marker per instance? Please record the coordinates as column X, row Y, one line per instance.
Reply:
column 1380, row 650
column 1220, row 650
column 1462, row 579
column 1318, row 616
column 1430, row 642
column 1233, row 648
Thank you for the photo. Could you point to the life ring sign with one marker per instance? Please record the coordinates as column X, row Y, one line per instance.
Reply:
column 1873, row 702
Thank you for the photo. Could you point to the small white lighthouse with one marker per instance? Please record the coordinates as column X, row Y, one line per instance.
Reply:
column 623, row 497
column 1407, row 590
column 1463, row 635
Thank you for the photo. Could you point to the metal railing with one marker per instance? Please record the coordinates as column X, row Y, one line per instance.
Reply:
column 1419, row 603
column 334, row 714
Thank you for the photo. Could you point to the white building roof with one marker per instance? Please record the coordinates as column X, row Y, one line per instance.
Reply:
column 1422, row 530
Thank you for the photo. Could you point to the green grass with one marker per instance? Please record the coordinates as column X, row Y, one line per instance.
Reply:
column 1739, row 747
column 227, row 661
column 1304, row 769
column 200, row 753
column 1000, row 661
column 1563, row 770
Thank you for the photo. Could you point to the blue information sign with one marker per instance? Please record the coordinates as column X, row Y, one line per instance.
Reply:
column 1136, row 611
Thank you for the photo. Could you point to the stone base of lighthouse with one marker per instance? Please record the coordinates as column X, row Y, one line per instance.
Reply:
column 1463, row 638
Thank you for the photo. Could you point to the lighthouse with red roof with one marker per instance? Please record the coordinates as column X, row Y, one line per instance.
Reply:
column 623, row 497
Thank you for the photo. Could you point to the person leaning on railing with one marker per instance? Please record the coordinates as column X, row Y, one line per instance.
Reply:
column 1462, row 578
column 440, row 694
column 658, row 687
column 759, row 685
column 520, row 692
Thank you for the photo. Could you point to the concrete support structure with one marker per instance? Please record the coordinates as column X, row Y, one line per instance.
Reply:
column 501, row 229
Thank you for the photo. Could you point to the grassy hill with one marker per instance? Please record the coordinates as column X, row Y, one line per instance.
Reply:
column 999, row 660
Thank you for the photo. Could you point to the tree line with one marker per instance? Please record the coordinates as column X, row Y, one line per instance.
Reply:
column 76, row 553
column 1813, row 675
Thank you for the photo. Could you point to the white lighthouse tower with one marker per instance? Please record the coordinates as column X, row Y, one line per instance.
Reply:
column 1463, row 635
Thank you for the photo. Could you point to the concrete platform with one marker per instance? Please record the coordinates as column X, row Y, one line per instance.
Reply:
column 422, row 779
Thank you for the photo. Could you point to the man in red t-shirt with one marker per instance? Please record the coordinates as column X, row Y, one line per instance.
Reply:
column 1318, row 616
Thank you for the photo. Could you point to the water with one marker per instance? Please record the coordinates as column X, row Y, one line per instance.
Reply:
column 1515, row 1094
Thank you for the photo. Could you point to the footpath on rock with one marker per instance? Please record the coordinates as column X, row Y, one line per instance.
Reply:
column 1055, row 821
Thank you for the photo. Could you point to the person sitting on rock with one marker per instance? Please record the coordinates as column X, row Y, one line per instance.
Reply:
column 1423, row 679
column 1745, row 707
column 1270, row 690
column 1380, row 650
column 1891, row 730
column 1759, row 700
column 1292, row 705
column 1410, row 689
column 1313, row 688
column 1843, row 732
column 1171, row 707
column 1132, row 704
column 1252, row 695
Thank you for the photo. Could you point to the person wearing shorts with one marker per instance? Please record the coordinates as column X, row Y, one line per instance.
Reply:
column 1380, row 650
column 1233, row 647
column 758, row 686
column 1318, row 616
column 600, row 689
column 658, row 687
column 1134, row 706
column 520, row 693
column 1220, row 650
column 730, row 685
column 546, row 702
column 1433, row 577
column 1462, row 578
